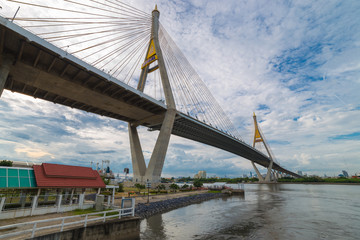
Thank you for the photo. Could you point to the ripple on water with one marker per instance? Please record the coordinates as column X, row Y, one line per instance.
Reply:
column 282, row 212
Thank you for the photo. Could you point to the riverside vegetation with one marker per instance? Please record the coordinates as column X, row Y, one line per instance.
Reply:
column 320, row 180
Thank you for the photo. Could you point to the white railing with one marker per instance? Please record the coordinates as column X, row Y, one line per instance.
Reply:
column 62, row 222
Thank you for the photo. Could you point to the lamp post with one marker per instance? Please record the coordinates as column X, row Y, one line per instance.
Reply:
column 148, row 185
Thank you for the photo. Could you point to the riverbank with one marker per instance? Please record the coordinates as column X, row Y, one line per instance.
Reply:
column 318, row 183
column 145, row 210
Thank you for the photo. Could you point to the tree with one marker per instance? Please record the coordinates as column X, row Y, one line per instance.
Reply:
column 139, row 186
column 160, row 187
column 121, row 187
column 106, row 180
column 7, row 163
column 197, row 183
column 185, row 186
column 174, row 186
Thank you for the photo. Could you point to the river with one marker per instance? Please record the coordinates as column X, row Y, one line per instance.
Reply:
column 268, row 211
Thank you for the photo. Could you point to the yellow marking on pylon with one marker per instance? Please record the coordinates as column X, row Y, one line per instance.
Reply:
column 257, row 134
column 151, row 51
column 151, row 55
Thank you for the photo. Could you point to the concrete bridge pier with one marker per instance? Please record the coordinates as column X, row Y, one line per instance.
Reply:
column 258, row 138
column 137, row 156
column 152, row 173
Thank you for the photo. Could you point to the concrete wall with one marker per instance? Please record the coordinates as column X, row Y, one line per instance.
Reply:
column 125, row 228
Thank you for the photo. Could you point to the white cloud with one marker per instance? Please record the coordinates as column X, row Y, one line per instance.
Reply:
column 295, row 64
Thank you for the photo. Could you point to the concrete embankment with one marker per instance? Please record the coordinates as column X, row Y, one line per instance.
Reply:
column 144, row 210
column 118, row 229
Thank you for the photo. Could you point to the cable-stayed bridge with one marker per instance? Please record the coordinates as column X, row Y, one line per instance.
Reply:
column 117, row 61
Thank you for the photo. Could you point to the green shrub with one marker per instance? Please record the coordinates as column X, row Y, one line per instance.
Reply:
column 197, row 183
column 121, row 187
column 7, row 163
column 139, row 186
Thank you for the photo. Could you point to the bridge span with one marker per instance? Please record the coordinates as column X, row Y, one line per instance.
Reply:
column 34, row 67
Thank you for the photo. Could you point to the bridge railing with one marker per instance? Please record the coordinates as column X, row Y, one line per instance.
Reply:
column 28, row 229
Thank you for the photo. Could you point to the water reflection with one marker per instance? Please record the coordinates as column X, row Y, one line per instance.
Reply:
column 154, row 228
column 272, row 211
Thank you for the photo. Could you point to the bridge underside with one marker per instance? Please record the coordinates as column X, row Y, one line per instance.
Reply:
column 193, row 129
column 44, row 71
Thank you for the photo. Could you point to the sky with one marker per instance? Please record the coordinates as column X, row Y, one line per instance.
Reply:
column 296, row 64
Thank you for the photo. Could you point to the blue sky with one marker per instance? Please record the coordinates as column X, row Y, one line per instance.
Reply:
column 295, row 63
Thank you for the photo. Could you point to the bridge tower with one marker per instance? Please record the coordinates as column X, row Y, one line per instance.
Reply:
column 152, row 172
column 258, row 138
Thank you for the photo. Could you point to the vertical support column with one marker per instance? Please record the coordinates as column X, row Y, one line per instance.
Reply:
column 58, row 203
column 4, row 72
column 259, row 138
column 137, row 156
column 113, row 197
column 261, row 179
column 170, row 102
column 268, row 174
column 81, row 200
column 22, row 199
column 66, row 195
column 46, row 196
column 153, row 172
column 133, row 207
column 2, row 203
column 122, row 202
column 108, row 200
column 34, row 204
column 71, row 196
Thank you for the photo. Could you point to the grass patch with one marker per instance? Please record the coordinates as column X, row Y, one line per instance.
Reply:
column 129, row 189
column 214, row 191
column 83, row 211
column 92, row 210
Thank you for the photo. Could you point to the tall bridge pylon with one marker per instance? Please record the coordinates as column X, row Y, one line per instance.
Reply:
column 70, row 62
column 259, row 138
column 152, row 173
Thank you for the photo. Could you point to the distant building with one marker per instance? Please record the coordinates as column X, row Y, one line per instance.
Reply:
column 299, row 173
column 345, row 173
column 200, row 174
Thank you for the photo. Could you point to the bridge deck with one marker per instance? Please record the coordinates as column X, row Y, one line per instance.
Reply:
column 46, row 72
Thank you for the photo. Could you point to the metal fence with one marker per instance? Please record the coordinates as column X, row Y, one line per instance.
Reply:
column 28, row 229
column 25, row 201
column 22, row 205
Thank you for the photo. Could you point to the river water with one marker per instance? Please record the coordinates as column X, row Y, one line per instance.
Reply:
column 267, row 211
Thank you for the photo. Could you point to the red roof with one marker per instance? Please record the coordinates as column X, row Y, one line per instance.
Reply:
column 66, row 176
column 66, row 171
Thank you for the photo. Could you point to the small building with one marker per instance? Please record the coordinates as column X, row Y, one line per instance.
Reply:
column 46, row 188
column 200, row 174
